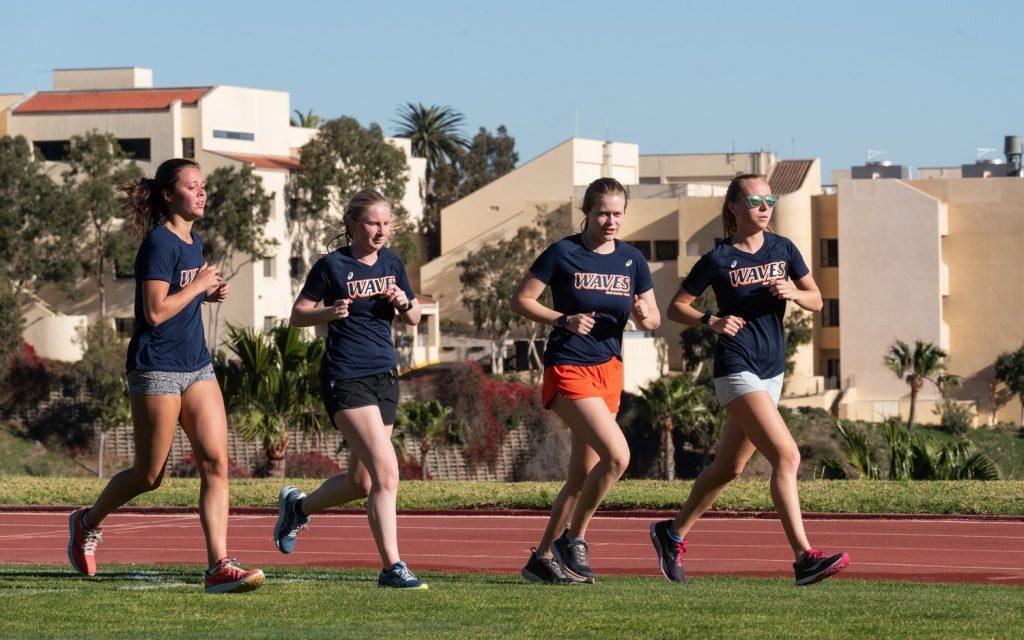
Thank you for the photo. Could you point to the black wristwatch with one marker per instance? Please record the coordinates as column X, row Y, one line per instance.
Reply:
column 705, row 320
column 561, row 321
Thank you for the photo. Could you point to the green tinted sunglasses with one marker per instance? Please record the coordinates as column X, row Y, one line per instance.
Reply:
column 754, row 202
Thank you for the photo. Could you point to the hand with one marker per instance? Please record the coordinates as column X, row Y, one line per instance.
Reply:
column 397, row 298
column 782, row 289
column 208, row 278
column 219, row 293
column 581, row 323
column 729, row 325
column 639, row 309
column 340, row 307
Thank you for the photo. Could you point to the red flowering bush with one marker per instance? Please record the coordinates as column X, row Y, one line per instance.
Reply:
column 186, row 468
column 310, row 464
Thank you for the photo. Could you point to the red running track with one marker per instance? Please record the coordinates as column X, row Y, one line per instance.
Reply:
column 915, row 550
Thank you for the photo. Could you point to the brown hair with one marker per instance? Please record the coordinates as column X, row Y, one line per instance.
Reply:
column 733, row 194
column 145, row 198
column 596, row 189
column 356, row 209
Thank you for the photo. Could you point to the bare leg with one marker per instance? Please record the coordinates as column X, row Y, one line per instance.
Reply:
column 341, row 489
column 581, row 460
column 595, row 426
column 205, row 424
column 370, row 440
column 733, row 453
column 155, row 419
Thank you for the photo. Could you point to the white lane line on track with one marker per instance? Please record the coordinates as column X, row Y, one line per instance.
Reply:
column 115, row 528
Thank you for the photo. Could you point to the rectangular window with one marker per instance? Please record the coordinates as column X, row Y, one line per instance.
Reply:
column 295, row 268
column 135, row 148
column 830, row 313
column 829, row 252
column 125, row 327
column 268, row 267
column 233, row 135
column 666, row 249
column 52, row 150
column 644, row 246
column 188, row 148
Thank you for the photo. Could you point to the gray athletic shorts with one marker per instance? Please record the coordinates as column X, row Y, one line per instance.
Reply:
column 730, row 387
column 166, row 383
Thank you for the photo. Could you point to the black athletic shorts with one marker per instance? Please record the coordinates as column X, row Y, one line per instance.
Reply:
column 380, row 390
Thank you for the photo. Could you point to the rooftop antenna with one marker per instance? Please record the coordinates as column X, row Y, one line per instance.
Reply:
column 874, row 153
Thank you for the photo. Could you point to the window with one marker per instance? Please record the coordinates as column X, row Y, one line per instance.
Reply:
column 233, row 135
column 268, row 322
column 830, row 313
column 832, row 375
column 644, row 246
column 295, row 268
column 829, row 252
column 666, row 249
column 268, row 267
column 125, row 327
column 52, row 150
column 135, row 148
column 188, row 148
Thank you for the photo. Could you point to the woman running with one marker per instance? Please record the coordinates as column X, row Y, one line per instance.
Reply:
column 748, row 271
column 363, row 286
column 596, row 283
column 170, row 375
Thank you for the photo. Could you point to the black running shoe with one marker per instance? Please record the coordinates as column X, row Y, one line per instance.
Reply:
column 816, row 566
column 574, row 556
column 670, row 552
column 546, row 570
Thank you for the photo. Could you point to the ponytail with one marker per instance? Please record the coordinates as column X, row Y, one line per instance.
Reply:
column 733, row 194
column 145, row 199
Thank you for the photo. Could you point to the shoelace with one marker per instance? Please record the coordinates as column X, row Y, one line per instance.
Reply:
column 678, row 549
column 403, row 572
column 299, row 527
column 580, row 552
column 552, row 566
column 92, row 538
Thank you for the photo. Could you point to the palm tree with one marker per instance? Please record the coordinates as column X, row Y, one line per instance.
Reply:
column 429, row 423
column 925, row 362
column 672, row 401
column 272, row 386
column 309, row 119
column 435, row 132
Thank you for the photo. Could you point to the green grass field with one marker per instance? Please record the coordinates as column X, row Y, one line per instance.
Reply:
column 830, row 496
column 167, row 602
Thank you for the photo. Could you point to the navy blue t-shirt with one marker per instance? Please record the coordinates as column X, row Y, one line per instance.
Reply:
column 178, row 343
column 582, row 281
column 740, row 281
column 359, row 345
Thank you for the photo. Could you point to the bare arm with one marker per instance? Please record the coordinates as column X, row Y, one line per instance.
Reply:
column 159, row 307
column 524, row 302
column 804, row 292
column 307, row 313
column 408, row 310
column 645, row 311
column 681, row 310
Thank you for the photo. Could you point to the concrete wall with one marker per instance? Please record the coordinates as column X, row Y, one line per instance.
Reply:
column 102, row 78
column 260, row 112
column 709, row 168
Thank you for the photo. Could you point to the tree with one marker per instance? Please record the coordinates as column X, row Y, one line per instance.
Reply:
column 699, row 343
column 37, row 239
column 308, row 120
column 431, row 424
column 343, row 158
column 488, row 277
column 673, row 402
column 799, row 330
column 272, row 385
column 11, row 326
column 233, row 229
column 924, row 363
column 96, row 167
column 1010, row 371
column 435, row 133
column 101, row 372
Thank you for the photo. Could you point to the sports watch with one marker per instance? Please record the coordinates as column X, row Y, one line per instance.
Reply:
column 561, row 321
column 705, row 320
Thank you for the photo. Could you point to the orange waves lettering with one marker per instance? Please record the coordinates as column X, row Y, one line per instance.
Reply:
column 611, row 284
column 370, row 287
column 758, row 275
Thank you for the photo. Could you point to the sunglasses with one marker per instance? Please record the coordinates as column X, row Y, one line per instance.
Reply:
column 754, row 202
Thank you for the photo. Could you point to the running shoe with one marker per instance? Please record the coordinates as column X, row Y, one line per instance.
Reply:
column 399, row 577
column 289, row 521
column 82, row 542
column 574, row 556
column 227, row 577
column 546, row 570
column 670, row 551
column 816, row 566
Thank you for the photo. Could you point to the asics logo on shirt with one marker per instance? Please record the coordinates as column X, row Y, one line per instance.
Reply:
column 760, row 274
column 186, row 277
column 370, row 287
column 611, row 284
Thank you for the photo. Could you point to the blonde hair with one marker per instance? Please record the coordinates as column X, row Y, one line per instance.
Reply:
column 733, row 194
column 356, row 209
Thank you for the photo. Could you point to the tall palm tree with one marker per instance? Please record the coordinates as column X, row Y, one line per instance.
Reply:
column 672, row 401
column 429, row 423
column 309, row 119
column 271, row 386
column 925, row 362
column 435, row 132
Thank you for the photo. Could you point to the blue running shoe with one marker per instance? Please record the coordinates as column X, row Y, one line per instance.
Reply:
column 399, row 577
column 289, row 521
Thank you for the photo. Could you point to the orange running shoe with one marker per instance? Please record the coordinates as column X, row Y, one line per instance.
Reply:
column 82, row 543
column 227, row 577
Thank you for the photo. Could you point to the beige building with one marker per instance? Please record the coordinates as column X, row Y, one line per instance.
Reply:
column 218, row 126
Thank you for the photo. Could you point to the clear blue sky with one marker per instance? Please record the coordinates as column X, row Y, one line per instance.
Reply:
column 926, row 81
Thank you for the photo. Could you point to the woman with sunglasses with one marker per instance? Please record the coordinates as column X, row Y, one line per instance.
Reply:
column 754, row 274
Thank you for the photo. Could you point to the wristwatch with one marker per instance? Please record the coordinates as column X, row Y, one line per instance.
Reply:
column 561, row 321
column 705, row 320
